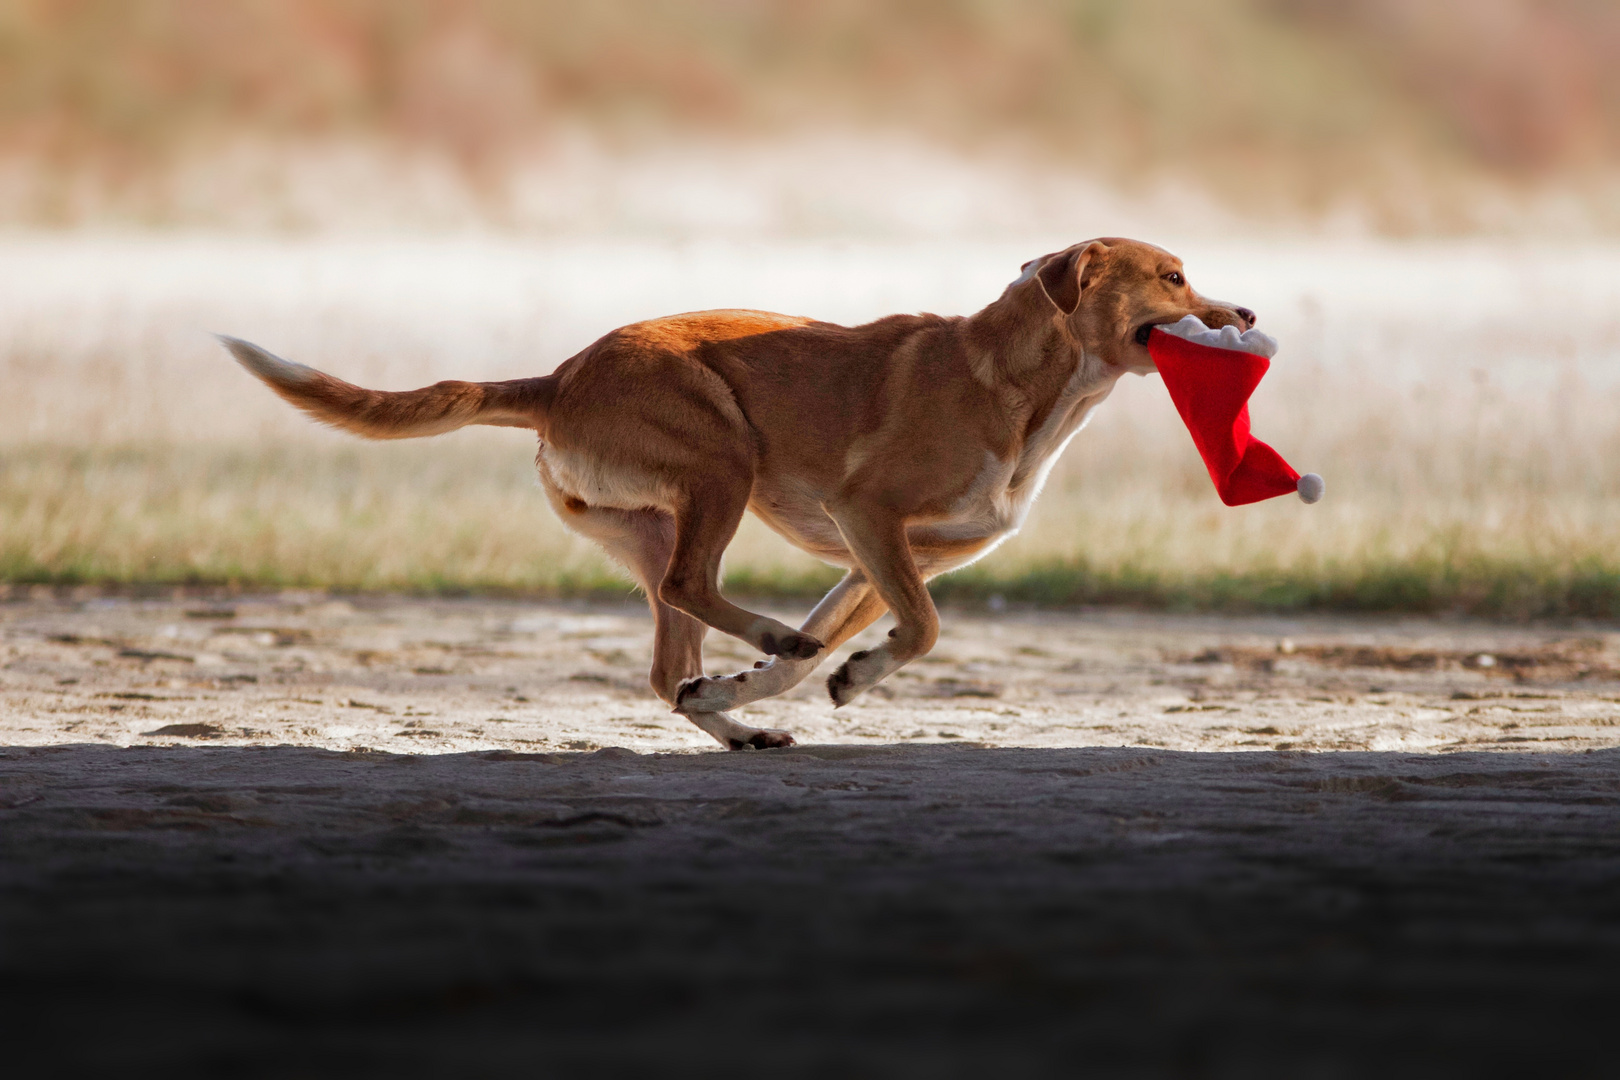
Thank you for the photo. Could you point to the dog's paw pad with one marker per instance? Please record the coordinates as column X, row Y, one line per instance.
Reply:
column 792, row 645
column 708, row 693
column 690, row 689
column 764, row 739
column 839, row 686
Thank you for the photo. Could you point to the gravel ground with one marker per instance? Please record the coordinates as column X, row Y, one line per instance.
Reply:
column 299, row 835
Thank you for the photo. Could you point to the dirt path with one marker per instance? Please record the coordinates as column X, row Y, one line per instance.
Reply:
column 299, row 836
column 435, row 676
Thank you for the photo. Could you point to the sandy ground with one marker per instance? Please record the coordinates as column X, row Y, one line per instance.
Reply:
column 402, row 676
column 304, row 835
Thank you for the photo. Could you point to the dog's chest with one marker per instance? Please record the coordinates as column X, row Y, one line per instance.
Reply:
column 1000, row 495
column 996, row 501
column 991, row 505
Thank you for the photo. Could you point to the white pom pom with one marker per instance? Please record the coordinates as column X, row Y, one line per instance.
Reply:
column 1311, row 487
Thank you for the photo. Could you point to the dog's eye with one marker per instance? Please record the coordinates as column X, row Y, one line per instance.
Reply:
column 1175, row 278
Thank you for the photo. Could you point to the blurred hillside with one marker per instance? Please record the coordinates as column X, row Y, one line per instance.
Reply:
column 1421, row 114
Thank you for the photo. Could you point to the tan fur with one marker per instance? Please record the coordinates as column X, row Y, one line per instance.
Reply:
column 377, row 414
column 899, row 449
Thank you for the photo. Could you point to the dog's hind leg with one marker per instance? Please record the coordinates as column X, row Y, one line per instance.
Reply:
column 677, row 656
column 641, row 541
column 706, row 518
column 849, row 608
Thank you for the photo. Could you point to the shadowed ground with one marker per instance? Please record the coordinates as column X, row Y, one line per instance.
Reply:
column 215, row 901
column 906, row 910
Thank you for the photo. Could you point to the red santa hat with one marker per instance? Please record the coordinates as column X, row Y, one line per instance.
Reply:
column 1210, row 375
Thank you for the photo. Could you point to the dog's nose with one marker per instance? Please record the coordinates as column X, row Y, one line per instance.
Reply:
column 1247, row 316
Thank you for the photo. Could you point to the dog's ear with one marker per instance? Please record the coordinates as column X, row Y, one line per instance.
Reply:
column 1065, row 276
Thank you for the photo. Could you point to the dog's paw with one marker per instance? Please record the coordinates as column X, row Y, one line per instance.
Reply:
column 763, row 739
column 734, row 736
column 851, row 678
column 710, row 693
column 791, row 645
column 687, row 692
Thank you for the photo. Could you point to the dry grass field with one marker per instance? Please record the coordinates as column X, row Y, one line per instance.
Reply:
column 401, row 192
column 1459, row 398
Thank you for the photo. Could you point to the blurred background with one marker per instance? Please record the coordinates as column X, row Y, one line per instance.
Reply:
column 1420, row 197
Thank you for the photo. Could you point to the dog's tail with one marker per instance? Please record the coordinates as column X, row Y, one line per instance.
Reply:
column 381, row 414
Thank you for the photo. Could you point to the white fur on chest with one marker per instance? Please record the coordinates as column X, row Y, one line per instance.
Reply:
column 999, row 499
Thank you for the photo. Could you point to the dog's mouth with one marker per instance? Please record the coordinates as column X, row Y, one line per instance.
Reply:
column 1145, row 331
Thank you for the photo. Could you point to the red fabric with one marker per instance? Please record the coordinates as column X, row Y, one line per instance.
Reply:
column 1211, row 389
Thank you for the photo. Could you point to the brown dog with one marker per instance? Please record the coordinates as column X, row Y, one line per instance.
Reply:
column 899, row 450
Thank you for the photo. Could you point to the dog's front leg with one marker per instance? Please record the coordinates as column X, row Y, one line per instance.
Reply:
column 849, row 608
column 876, row 536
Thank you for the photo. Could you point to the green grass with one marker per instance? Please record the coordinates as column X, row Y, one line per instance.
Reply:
column 465, row 517
column 1496, row 588
column 1500, row 589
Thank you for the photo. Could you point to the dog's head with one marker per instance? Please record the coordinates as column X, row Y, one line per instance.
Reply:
column 1111, row 293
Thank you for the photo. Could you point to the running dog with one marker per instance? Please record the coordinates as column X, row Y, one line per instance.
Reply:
column 899, row 450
